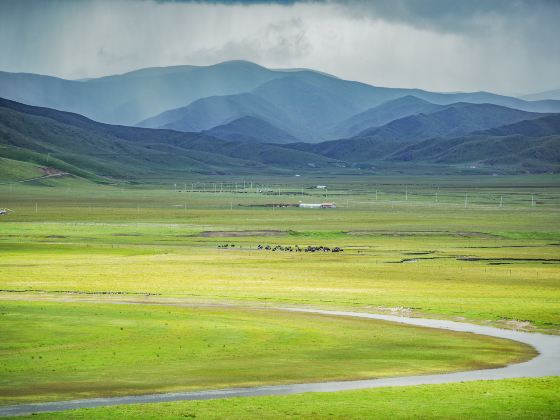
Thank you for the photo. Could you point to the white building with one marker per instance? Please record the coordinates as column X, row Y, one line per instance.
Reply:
column 317, row 205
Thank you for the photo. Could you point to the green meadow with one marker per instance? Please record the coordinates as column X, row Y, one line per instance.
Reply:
column 481, row 249
column 67, row 350
column 512, row 399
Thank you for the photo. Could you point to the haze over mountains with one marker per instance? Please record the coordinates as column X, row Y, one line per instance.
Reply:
column 549, row 94
column 304, row 103
column 237, row 117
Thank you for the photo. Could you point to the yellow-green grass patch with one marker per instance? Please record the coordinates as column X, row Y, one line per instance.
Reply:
column 52, row 351
column 484, row 400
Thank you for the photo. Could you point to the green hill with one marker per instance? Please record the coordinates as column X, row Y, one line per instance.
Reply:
column 100, row 152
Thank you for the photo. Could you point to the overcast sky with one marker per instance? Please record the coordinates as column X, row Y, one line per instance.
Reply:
column 505, row 46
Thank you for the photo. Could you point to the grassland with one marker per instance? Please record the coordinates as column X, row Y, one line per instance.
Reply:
column 511, row 399
column 487, row 251
column 67, row 350
column 15, row 170
column 484, row 263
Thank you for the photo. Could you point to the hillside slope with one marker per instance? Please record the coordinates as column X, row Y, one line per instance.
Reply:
column 381, row 115
column 250, row 129
column 138, row 95
column 447, row 122
column 452, row 120
column 75, row 144
column 532, row 154
column 538, row 127
column 210, row 112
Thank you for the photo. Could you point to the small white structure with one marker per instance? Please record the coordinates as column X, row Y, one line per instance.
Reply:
column 317, row 205
column 321, row 187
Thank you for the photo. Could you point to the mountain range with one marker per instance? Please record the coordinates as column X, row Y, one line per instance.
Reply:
column 256, row 120
column 308, row 105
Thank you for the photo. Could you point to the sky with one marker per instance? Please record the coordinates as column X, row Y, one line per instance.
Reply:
column 504, row 46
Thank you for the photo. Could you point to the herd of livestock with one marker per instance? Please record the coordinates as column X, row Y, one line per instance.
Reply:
column 290, row 248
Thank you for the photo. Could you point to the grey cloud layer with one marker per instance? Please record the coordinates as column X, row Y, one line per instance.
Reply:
column 501, row 45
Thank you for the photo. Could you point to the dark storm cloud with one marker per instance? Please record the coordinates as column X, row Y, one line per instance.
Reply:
column 448, row 15
column 509, row 46
column 236, row 2
column 443, row 15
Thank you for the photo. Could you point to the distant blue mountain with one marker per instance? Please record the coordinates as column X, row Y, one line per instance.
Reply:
column 543, row 96
column 536, row 127
column 301, row 103
column 381, row 115
column 250, row 129
column 206, row 113
column 530, row 146
column 306, row 104
column 135, row 96
column 451, row 120
column 447, row 122
column 102, row 152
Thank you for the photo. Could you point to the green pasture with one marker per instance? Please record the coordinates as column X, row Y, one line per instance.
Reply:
column 486, row 250
column 67, row 350
column 511, row 399
column 11, row 170
column 484, row 263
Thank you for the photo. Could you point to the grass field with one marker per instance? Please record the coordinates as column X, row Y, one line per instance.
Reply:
column 511, row 399
column 483, row 263
column 66, row 350
column 487, row 251
column 15, row 170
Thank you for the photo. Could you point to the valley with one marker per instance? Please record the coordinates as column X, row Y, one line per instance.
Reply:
column 240, row 241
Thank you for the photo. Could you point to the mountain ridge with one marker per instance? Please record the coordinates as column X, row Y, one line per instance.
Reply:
column 135, row 96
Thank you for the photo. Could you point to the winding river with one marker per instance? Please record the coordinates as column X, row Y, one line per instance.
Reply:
column 546, row 363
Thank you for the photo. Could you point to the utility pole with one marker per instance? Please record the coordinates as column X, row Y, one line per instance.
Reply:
column 501, row 201
column 466, row 200
column 406, row 193
column 532, row 200
column 375, row 195
column 36, row 208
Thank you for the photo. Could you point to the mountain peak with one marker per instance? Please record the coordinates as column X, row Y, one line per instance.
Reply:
column 407, row 99
column 237, row 63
